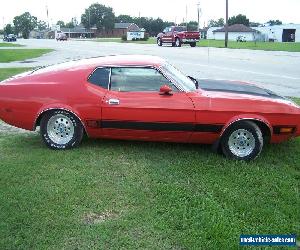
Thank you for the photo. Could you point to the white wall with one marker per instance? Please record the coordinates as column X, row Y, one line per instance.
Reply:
column 210, row 34
column 275, row 32
column 297, row 36
column 232, row 36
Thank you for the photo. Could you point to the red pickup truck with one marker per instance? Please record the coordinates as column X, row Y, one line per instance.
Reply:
column 178, row 35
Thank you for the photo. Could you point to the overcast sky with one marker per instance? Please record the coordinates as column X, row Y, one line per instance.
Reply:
column 257, row 10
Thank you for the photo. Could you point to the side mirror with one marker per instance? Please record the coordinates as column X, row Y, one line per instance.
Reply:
column 195, row 81
column 165, row 90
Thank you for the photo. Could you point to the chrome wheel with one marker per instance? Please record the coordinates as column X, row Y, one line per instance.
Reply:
column 177, row 42
column 241, row 143
column 60, row 129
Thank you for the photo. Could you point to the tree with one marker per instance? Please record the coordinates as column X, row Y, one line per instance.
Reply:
column 124, row 19
column 274, row 22
column 216, row 23
column 61, row 24
column 69, row 25
column 100, row 15
column 74, row 21
column 254, row 24
column 155, row 26
column 24, row 24
column 41, row 25
column 192, row 26
column 239, row 19
column 8, row 29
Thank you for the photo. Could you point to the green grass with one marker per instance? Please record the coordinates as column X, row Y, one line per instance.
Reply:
column 10, row 45
column 8, row 72
column 151, row 40
column 292, row 47
column 117, row 194
column 10, row 55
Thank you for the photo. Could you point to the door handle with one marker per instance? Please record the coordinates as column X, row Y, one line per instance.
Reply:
column 113, row 102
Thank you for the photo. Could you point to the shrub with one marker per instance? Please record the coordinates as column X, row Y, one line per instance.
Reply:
column 146, row 37
column 124, row 38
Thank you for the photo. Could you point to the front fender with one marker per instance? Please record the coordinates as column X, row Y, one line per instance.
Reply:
column 250, row 117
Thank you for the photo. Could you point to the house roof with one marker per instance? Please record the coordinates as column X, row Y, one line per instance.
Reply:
column 236, row 28
column 77, row 29
column 123, row 25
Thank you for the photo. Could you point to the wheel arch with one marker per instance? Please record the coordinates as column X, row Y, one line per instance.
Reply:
column 46, row 110
column 261, row 122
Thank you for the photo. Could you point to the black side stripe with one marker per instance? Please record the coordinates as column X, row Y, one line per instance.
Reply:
column 159, row 126
column 214, row 128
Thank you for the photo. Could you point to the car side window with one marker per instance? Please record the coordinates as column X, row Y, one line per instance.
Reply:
column 138, row 80
column 100, row 77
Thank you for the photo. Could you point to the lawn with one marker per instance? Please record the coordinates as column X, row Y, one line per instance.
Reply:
column 10, row 45
column 118, row 194
column 10, row 55
column 292, row 47
column 151, row 40
column 8, row 72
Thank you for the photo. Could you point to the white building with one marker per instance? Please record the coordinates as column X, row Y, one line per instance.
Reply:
column 210, row 32
column 235, row 31
column 276, row 33
column 281, row 33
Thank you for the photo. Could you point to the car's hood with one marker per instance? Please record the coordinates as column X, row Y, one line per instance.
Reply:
column 235, row 87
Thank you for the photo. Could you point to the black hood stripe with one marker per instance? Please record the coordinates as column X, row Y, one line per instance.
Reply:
column 236, row 87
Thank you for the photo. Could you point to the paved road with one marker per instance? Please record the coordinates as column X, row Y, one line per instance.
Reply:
column 278, row 71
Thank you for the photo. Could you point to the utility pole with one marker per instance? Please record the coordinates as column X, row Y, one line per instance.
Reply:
column 226, row 26
column 186, row 16
column 198, row 5
column 90, row 22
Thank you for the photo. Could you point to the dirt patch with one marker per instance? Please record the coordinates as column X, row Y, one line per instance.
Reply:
column 97, row 218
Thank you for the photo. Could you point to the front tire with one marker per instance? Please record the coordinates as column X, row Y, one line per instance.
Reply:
column 193, row 45
column 177, row 42
column 242, row 141
column 159, row 42
column 61, row 129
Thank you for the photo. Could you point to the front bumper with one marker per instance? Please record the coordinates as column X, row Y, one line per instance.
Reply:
column 190, row 40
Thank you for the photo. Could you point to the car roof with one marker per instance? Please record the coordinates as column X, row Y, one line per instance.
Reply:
column 91, row 63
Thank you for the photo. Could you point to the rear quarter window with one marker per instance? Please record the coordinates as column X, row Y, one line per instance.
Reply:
column 100, row 77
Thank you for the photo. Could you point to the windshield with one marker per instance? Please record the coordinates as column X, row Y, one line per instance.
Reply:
column 180, row 28
column 179, row 78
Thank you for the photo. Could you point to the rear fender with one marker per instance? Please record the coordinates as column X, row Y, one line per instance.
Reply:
column 56, row 106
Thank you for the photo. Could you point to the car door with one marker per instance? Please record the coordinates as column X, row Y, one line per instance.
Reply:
column 133, row 108
column 168, row 35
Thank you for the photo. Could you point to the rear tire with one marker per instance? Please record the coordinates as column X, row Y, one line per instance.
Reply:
column 193, row 45
column 61, row 129
column 242, row 141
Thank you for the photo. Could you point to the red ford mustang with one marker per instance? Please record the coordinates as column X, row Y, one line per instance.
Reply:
column 145, row 98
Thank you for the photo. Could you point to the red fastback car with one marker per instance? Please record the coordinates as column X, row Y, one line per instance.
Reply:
column 145, row 98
